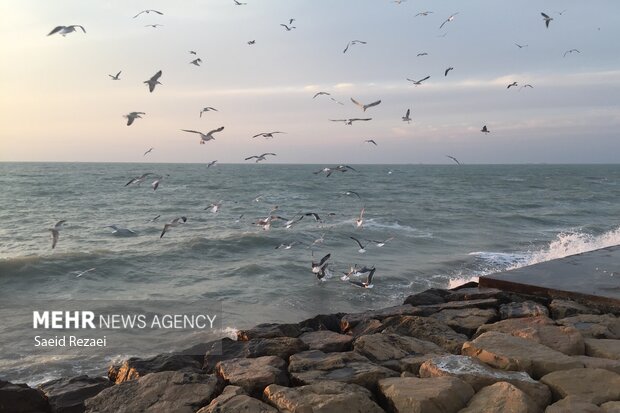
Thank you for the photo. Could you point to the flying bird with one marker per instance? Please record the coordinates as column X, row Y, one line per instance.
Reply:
column 155, row 26
column 422, row 54
column 454, row 159
column 259, row 157
column 362, row 247
column 527, row 85
column 133, row 116
column 381, row 243
column 116, row 77
column 347, row 193
column 153, row 81
column 251, row 42
column 238, row 3
column 350, row 121
column 156, row 182
column 212, row 163
column 148, row 11
column 208, row 108
column 363, row 106
column 215, row 206
column 360, row 220
column 368, row 282
column 205, row 137
column 521, row 46
column 122, row 232
column 317, row 266
column 571, row 51
column 192, row 52
column 406, row 118
column 484, row 129
column 351, row 43
column 510, row 85
column 418, row 82
column 320, row 93
column 138, row 179
column 447, row 70
column 149, row 151
column 371, row 141
column 286, row 246
column 80, row 273
column 65, row 30
column 56, row 232
column 339, row 168
column 196, row 62
column 423, row 13
column 266, row 134
column 174, row 223
column 449, row 19
column 547, row 19
column 288, row 28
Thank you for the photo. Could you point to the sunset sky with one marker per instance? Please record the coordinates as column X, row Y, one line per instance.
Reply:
column 57, row 102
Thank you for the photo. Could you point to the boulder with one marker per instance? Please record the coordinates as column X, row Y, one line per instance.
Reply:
column 466, row 321
column 67, row 395
column 269, row 330
column 168, row 391
column 427, row 310
column 501, row 397
column 594, row 326
column 434, row 395
column 223, row 349
column 522, row 309
column 253, row 374
column 351, row 320
column 388, row 346
column 365, row 327
column 310, row 367
column 235, row 400
column 604, row 348
column 410, row 364
column 428, row 329
column 611, row 407
column 475, row 293
column 593, row 385
column 599, row 363
column 573, row 405
column 428, row 297
column 282, row 347
column 567, row 308
column 479, row 376
column 507, row 352
column 19, row 398
column 326, row 341
column 320, row 322
column 136, row 367
column 322, row 397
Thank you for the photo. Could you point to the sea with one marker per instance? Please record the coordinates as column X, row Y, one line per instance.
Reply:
column 445, row 225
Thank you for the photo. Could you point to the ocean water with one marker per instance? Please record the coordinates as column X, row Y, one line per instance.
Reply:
column 450, row 224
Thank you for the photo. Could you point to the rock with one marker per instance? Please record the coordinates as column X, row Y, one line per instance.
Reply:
column 329, row 322
column 479, row 376
column 573, row 405
column 223, row 349
column 593, row 385
column 410, row 364
column 351, row 320
column 282, row 347
column 19, row 398
column 604, row 348
column 168, row 391
column 136, row 367
column 501, row 397
column 522, row 309
column 365, row 327
column 428, row 329
column 253, row 374
column 427, row 310
column 234, row 400
column 269, row 330
column 594, row 326
column 322, row 397
column 435, row 395
column 466, row 321
column 428, row 297
column 310, row 367
column 599, row 363
column 388, row 346
column 611, row 407
column 568, row 308
column 327, row 341
column 474, row 294
column 67, row 395
column 541, row 329
column 507, row 352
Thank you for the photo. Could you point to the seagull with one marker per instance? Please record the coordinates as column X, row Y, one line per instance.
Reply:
column 266, row 134
column 418, row 82
column 156, row 182
column 381, row 243
column 371, row 141
column 362, row 247
column 449, row 19
column 122, row 232
column 292, row 222
column 80, row 273
column 251, row 42
column 339, row 168
column 317, row 266
column 286, row 246
column 149, row 151
column 423, row 13
column 116, row 77
column 316, row 216
column 454, row 159
column 259, row 157
column 155, row 26
column 153, row 81
column 337, row 101
column 174, row 223
column 350, row 121
column 133, row 116
column 570, row 51
column 521, row 46
column 208, row 108
column 320, row 93
column 138, row 179
column 238, row 3
column 484, row 129
column 347, row 193
column 422, row 54
column 510, row 85
column 192, row 52
column 406, row 118
column 154, row 219
column 56, row 232
column 324, row 273
column 351, row 43
column 447, row 70
column 360, row 221
column 363, row 106
column 288, row 29
column 147, row 12
column 212, row 163
column 528, row 85
column 205, row 137
column 354, row 271
column 196, row 62
column 65, row 30
column 546, row 18
column 367, row 283
column 215, row 207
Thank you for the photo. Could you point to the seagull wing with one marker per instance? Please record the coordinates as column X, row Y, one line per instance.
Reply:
column 358, row 242
column 56, row 30
column 251, row 157
column 221, row 128
column 408, row 112
column 324, row 259
column 191, row 131
column 545, row 16
column 337, row 120
column 81, row 27
column 369, row 278
column 447, row 20
column 156, row 76
column 344, row 51
column 158, row 12
column 268, row 153
column 372, row 104
column 357, row 103
column 358, row 283
column 55, row 235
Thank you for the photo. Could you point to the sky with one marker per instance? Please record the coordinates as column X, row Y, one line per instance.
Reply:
column 57, row 102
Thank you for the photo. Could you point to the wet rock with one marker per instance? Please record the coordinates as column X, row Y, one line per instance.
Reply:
column 365, row 327
column 428, row 329
column 594, row 326
column 19, row 398
column 313, row 366
column 611, row 407
column 427, row 310
column 388, row 346
column 479, row 376
column 168, row 391
column 329, row 322
column 322, row 397
column 135, row 367
column 282, row 347
column 573, row 405
column 411, row 364
column 593, row 385
column 475, row 294
column 568, row 308
column 253, row 374
column 466, row 321
column 434, row 395
column 507, row 352
column 269, row 330
column 604, row 348
column 326, row 341
column 235, row 400
column 67, row 395
column 223, row 349
column 599, row 363
column 349, row 321
column 522, row 309
column 501, row 397
column 428, row 297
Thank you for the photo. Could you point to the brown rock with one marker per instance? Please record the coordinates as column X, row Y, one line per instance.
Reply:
column 479, row 376
column 568, row 308
column 314, row 366
column 522, row 309
column 168, row 391
column 386, row 346
column 410, row 364
column 282, row 347
column 594, row 326
column 501, row 397
column 428, row 329
column 428, row 297
column 507, row 352
column 269, row 330
column 351, row 320
column 19, row 398
column 67, row 395
column 593, row 385
column 611, row 407
column 253, row 374
column 466, row 321
column 435, row 395
column 327, row 341
column 475, row 293
column 323, row 322
column 604, row 348
column 599, row 363
column 135, row 367
column 322, row 397
column 573, row 405
column 235, row 400
column 427, row 310
column 365, row 327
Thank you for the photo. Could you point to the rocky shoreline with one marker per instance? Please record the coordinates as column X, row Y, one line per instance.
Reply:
column 469, row 349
